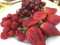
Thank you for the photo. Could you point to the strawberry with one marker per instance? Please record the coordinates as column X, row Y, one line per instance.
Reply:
column 29, row 22
column 53, row 19
column 49, row 10
column 39, row 15
column 49, row 29
column 35, row 36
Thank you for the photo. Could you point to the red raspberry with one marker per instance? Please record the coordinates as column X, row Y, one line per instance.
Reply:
column 14, row 25
column 29, row 22
column 39, row 15
column 14, row 17
column 4, row 35
column 6, row 29
column 4, row 19
column 9, row 16
column 20, row 19
column 18, row 32
column 21, row 37
column 7, row 23
column 11, row 33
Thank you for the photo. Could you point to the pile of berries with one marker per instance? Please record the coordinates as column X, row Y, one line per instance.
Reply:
column 32, row 22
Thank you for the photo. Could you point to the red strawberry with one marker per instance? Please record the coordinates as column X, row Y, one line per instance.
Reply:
column 35, row 36
column 53, row 19
column 49, row 29
column 49, row 10
column 11, row 33
column 4, row 35
column 29, row 22
column 6, row 29
column 7, row 23
column 39, row 15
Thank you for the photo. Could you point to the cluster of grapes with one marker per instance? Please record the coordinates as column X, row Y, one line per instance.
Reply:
column 30, row 6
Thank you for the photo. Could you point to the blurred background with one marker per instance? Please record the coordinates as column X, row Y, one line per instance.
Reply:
column 5, row 3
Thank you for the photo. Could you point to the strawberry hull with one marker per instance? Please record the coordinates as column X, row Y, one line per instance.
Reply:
column 49, row 29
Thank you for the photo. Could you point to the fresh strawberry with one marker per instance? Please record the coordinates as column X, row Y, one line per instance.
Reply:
column 35, row 36
column 49, row 29
column 39, row 15
column 49, row 10
column 29, row 22
column 53, row 19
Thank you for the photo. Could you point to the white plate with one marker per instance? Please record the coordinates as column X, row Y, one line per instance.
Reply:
column 14, row 41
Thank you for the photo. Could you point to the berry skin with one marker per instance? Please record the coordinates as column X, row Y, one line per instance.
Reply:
column 7, row 23
column 21, row 37
column 14, row 25
column 14, row 17
column 49, row 10
column 19, row 32
column 34, row 35
column 49, row 29
column 39, row 15
column 6, row 29
column 9, row 16
column 29, row 22
column 20, row 19
column 4, row 35
column 4, row 19
column 11, row 33
column 53, row 19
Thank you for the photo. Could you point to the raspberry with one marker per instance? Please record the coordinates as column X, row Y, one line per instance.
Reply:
column 14, row 17
column 29, row 22
column 6, row 29
column 9, row 16
column 7, row 23
column 11, row 33
column 4, row 19
column 20, row 19
column 18, row 32
column 4, row 35
column 21, row 37
column 14, row 25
